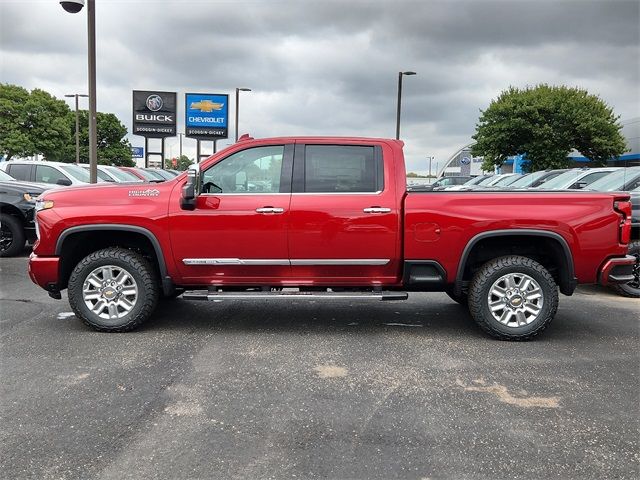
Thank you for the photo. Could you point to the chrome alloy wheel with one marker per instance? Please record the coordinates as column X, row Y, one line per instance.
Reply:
column 515, row 299
column 110, row 292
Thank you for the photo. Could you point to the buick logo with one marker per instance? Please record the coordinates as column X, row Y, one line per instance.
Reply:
column 154, row 102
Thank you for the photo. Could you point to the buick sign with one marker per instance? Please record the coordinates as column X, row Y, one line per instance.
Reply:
column 154, row 113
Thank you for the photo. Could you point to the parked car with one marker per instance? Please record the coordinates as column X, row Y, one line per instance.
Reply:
column 507, row 180
column 144, row 175
column 536, row 179
column 336, row 222
column 17, row 202
column 576, row 178
column 107, row 173
column 627, row 179
column 469, row 183
column 163, row 173
column 441, row 183
column 492, row 182
column 622, row 180
column 632, row 288
column 54, row 173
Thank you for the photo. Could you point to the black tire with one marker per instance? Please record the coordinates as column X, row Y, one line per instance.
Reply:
column 632, row 289
column 462, row 299
column 136, row 266
column 13, row 239
column 496, row 269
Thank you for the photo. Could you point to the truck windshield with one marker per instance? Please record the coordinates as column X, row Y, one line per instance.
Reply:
column 5, row 177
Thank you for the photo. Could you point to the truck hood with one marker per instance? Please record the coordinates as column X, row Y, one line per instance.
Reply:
column 105, row 193
column 27, row 187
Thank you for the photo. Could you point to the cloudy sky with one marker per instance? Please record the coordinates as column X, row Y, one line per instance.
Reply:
column 331, row 67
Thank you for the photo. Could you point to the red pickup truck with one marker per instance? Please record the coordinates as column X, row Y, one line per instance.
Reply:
column 329, row 218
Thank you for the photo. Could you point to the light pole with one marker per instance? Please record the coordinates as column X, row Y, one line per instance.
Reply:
column 400, row 75
column 430, row 160
column 238, row 90
column 76, row 95
column 74, row 6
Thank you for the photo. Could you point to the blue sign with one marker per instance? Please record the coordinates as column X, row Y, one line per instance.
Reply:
column 206, row 115
column 465, row 161
column 137, row 152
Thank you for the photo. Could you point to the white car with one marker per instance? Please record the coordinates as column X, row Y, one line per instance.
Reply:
column 55, row 173
column 108, row 173
column 576, row 178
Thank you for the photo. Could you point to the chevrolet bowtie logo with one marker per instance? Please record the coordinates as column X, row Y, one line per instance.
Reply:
column 206, row 106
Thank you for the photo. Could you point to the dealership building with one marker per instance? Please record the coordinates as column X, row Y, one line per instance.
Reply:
column 463, row 163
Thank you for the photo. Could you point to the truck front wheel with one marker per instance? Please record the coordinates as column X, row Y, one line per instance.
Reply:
column 113, row 290
column 513, row 298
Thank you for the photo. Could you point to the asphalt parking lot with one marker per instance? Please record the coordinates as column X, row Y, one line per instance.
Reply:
column 316, row 390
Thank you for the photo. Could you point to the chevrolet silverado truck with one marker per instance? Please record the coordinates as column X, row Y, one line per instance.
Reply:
column 328, row 217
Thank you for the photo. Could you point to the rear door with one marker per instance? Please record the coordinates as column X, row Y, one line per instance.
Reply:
column 344, row 216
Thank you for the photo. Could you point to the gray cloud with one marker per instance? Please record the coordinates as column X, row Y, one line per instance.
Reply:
column 330, row 67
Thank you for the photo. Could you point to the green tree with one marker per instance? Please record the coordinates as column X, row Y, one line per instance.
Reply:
column 113, row 146
column 31, row 122
column 546, row 123
column 182, row 162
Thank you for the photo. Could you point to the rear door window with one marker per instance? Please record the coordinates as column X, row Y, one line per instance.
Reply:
column 342, row 169
column 20, row 172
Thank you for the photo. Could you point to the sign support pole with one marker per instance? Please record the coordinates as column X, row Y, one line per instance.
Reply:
column 162, row 153
column 146, row 152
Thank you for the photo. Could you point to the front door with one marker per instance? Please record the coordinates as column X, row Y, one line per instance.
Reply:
column 237, row 233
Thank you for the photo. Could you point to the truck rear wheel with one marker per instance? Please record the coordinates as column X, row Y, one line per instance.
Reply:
column 513, row 298
column 113, row 290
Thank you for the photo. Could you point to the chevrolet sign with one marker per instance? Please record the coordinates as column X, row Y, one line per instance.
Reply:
column 206, row 115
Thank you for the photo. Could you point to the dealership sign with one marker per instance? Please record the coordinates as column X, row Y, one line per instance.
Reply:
column 206, row 115
column 154, row 113
column 137, row 152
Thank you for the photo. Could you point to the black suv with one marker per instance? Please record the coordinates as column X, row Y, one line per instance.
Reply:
column 17, row 203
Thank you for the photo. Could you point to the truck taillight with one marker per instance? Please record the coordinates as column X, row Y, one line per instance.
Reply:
column 624, row 208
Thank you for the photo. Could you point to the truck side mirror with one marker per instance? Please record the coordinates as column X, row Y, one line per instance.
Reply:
column 189, row 191
column 65, row 182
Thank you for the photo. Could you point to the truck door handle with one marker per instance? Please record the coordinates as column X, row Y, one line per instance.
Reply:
column 376, row 210
column 270, row 210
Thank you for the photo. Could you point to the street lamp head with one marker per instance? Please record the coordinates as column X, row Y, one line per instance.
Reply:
column 408, row 73
column 72, row 6
column 243, row 89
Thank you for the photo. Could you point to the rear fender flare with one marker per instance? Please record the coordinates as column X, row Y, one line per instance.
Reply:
column 567, row 284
